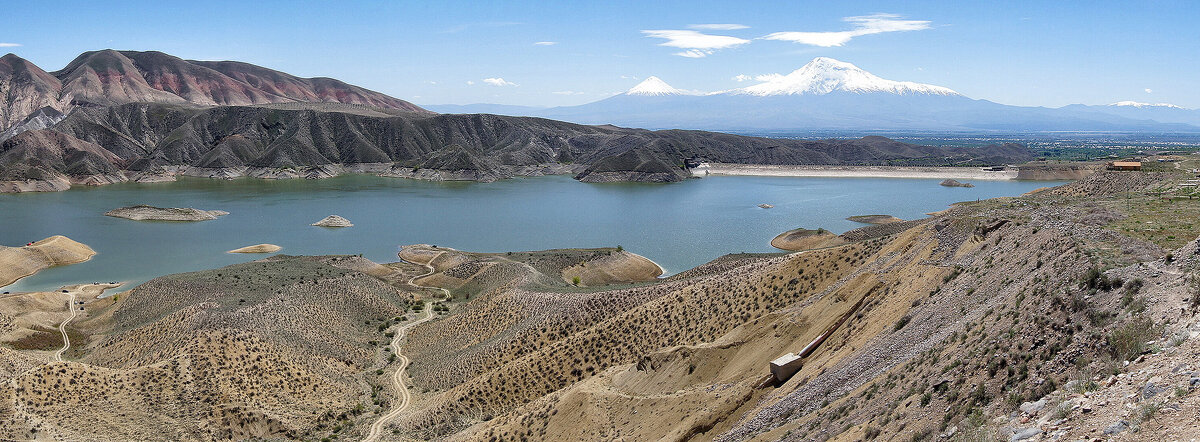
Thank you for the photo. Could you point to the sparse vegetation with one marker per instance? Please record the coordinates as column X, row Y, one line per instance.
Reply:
column 1129, row 341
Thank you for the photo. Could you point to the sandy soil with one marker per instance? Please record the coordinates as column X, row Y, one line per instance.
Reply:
column 257, row 248
column 19, row 262
column 34, row 313
column 803, row 239
column 617, row 267
column 970, row 173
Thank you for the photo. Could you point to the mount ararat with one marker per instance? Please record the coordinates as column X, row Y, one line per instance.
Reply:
column 828, row 94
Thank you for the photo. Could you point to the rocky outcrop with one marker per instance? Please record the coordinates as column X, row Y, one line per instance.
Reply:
column 333, row 221
column 41, row 119
column 150, row 213
column 19, row 262
column 955, row 183
column 50, row 184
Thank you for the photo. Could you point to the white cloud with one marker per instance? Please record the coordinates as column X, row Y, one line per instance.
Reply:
column 719, row 26
column 568, row 93
column 9, row 45
column 629, row 77
column 1149, row 91
column 767, row 77
column 696, row 44
column 469, row 82
column 498, row 82
column 742, row 77
column 863, row 25
column 545, row 43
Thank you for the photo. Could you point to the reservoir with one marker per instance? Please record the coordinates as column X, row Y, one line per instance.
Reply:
column 678, row 225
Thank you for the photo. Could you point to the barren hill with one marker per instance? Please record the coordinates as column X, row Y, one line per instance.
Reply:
column 108, row 77
column 283, row 347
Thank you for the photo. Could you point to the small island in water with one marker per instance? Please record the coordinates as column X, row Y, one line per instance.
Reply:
column 143, row 212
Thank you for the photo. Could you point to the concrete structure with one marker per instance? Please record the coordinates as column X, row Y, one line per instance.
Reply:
column 783, row 367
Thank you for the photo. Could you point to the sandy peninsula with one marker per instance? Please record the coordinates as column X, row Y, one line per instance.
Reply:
column 969, row 173
column 617, row 266
column 257, row 248
column 796, row 240
column 19, row 262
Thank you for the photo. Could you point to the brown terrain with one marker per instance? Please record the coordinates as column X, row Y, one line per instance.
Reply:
column 1066, row 314
column 796, row 240
column 258, row 248
column 19, row 262
column 109, row 77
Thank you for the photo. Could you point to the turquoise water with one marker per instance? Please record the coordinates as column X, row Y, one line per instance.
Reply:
column 678, row 225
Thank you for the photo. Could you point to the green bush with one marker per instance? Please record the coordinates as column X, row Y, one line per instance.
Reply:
column 1129, row 341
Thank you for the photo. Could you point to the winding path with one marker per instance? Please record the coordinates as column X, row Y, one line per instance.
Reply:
column 429, row 265
column 398, row 376
column 62, row 328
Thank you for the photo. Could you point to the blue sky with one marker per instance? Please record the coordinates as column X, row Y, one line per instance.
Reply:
column 1024, row 53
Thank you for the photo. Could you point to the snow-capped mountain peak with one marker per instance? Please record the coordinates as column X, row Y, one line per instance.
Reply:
column 654, row 86
column 823, row 75
column 1139, row 105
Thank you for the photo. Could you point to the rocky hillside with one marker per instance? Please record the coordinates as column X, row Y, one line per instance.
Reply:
column 281, row 348
column 154, row 139
column 108, row 77
column 993, row 320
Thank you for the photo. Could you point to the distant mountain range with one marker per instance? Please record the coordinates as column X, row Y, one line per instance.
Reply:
column 830, row 94
column 113, row 116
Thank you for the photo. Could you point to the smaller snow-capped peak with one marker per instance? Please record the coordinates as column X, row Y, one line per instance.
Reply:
column 654, row 86
column 823, row 75
column 1139, row 104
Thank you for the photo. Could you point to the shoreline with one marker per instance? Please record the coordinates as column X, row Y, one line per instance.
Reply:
column 59, row 183
column 968, row 173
